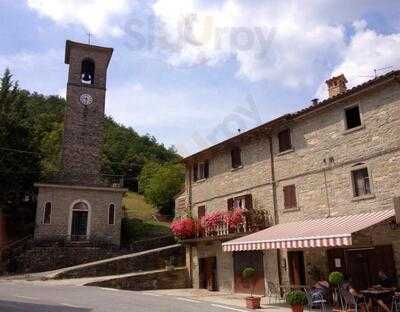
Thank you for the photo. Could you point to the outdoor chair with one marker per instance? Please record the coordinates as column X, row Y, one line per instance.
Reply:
column 273, row 293
column 350, row 301
column 396, row 303
column 315, row 300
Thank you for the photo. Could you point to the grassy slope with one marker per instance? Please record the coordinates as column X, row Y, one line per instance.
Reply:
column 141, row 213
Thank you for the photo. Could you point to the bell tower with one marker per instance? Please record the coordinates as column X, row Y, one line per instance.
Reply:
column 83, row 123
column 78, row 203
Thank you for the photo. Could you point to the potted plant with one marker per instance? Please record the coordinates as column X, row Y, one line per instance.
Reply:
column 183, row 228
column 249, row 274
column 336, row 279
column 297, row 300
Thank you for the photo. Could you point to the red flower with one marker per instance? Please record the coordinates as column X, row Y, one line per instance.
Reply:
column 183, row 228
column 213, row 219
column 234, row 218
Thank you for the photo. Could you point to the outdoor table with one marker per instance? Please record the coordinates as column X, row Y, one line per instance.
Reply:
column 377, row 293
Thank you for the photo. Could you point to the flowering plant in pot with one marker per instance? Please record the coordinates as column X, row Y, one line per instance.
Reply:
column 249, row 274
column 183, row 228
column 234, row 218
column 297, row 300
column 211, row 221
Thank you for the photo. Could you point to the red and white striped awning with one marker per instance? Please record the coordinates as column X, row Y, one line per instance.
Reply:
column 328, row 232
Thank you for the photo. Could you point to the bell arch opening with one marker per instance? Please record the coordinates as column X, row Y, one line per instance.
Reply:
column 87, row 71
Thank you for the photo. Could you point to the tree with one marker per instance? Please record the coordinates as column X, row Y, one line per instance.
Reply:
column 161, row 184
column 19, row 157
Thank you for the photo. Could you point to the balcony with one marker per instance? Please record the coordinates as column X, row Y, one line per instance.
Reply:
column 223, row 225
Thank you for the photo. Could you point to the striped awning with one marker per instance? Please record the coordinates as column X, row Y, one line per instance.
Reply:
column 328, row 232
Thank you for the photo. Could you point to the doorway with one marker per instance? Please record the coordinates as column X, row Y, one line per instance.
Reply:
column 296, row 268
column 208, row 273
column 79, row 222
column 242, row 260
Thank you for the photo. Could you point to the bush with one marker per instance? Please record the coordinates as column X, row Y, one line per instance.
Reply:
column 335, row 278
column 296, row 297
column 248, row 273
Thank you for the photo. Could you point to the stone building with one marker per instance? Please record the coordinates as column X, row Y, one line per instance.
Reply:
column 79, row 203
column 326, row 179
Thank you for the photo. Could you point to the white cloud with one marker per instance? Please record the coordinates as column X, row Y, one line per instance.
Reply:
column 278, row 41
column 99, row 17
column 366, row 51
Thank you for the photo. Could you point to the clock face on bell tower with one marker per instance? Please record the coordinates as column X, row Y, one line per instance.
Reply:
column 83, row 124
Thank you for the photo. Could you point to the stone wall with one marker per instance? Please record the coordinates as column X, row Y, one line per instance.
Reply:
column 224, row 264
column 41, row 259
column 63, row 198
column 130, row 263
column 175, row 279
column 319, row 165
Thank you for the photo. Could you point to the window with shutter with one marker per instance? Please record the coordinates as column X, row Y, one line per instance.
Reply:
column 195, row 171
column 201, row 212
column 248, row 201
column 289, row 196
column 236, row 157
column 285, row 142
column 361, row 183
column 206, row 169
column 230, row 204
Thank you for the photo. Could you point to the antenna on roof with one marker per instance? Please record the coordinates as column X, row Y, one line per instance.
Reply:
column 89, row 36
column 383, row 68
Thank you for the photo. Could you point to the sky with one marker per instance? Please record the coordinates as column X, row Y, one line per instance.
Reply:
column 193, row 73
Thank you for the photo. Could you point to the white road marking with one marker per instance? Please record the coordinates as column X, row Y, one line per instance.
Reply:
column 111, row 289
column 71, row 305
column 26, row 297
column 188, row 300
column 228, row 308
column 151, row 294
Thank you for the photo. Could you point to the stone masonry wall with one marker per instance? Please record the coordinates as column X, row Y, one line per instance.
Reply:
column 322, row 189
column 62, row 200
column 158, row 280
column 145, row 262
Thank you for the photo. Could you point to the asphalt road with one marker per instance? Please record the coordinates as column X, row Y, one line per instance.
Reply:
column 34, row 297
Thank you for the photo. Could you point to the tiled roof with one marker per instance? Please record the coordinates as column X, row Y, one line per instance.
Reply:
column 288, row 117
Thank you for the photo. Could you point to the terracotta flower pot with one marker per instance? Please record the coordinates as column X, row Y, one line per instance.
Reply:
column 297, row 308
column 253, row 302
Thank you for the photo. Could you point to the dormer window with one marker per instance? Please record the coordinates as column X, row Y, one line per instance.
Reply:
column 87, row 71
column 200, row 170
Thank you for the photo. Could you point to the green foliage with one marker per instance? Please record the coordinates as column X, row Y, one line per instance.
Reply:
column 160, row 183
column 135, row 229
column 296, row 297
column 335, row 278
column 248, row 273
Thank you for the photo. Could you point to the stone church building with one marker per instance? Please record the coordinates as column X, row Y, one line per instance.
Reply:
column 79, row 203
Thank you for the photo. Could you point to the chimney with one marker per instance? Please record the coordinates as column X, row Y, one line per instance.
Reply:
column 336, row 85
column 396, row 206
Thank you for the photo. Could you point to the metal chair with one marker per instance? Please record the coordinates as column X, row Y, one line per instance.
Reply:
column 315, row 299
column 396, row 303
column 273, row 292
column 350, row 301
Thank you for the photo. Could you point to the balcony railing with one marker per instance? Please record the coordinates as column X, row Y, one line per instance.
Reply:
column 253, row 221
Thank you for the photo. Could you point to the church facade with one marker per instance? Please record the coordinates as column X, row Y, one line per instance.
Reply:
column 79, row 203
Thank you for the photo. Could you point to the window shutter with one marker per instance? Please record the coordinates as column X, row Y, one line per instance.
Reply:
column 195, row 170
column 206, row 169
column 289, row 196
column 230, row 204
column 248, row 199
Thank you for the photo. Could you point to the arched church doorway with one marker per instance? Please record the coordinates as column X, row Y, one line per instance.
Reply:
column 80, row 221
